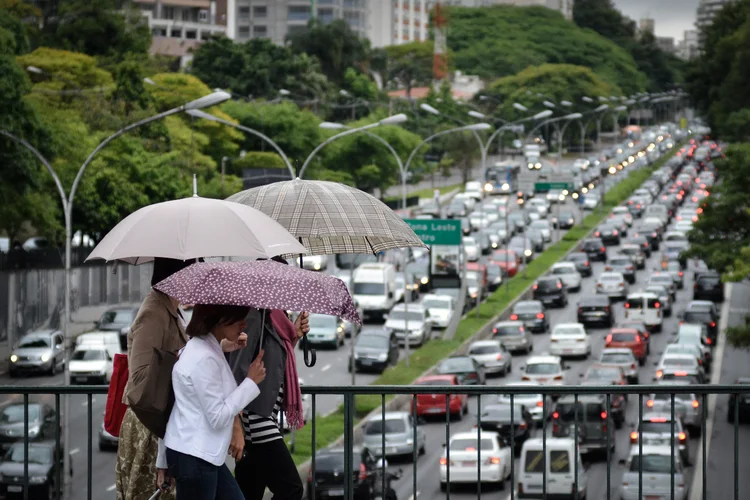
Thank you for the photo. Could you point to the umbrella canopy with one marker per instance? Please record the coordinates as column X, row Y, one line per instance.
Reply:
column 331, row 218
column 261, row 284
column 195, row 227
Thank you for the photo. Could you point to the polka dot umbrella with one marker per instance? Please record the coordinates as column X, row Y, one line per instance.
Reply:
column 262, row 284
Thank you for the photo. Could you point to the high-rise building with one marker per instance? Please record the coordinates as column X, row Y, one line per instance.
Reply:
column 688, row 47
column 707, row 9
column 666, row 44
column 646, row 25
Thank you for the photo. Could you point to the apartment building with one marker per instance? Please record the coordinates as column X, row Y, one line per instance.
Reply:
column 707, row 9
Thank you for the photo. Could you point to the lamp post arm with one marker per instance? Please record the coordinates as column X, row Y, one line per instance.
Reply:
column 262, row 136
column 427, row 140
column 58, row 184
column 551, row 120
column 330, row 140
column 390, row 148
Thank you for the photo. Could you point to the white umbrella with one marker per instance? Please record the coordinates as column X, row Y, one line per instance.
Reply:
column 196, row 227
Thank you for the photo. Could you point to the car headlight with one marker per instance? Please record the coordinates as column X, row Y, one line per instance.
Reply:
column 424, row 280
column 527, row 252
column 13, row 358
column 316, row 267
column 538, row 166
column 37, row 479
column 531, row 165
column 409, row 441
column 382, row 357
column 33, row 431
column 488, row 187
column 340, row 329
column 506, row 186
column 46, row 357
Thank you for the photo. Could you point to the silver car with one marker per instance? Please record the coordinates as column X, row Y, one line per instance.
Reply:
column 635, row 253
column 624, row 358
column 39, row 351
column 492, row 355
column 398, row 428
column 513, row 335
column 686, row 406
column 664, row 298
column 534, row 403
column 612, row 284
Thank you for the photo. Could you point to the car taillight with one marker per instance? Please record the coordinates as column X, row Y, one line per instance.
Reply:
column 633, row 437
column 536, row 286
column 602, row 249
column 614, row 232
column 493, row 461
column 471, row 375
column 682, row 436
column 696, row 404
column 709, row 341
column 597, row 234
column 444, row 461
column 607, row 268
column 514, row 317
column 645, row 245
column 522, row 426
column 362, row 472
column 559, row 377
column 712, row 324
column 586, row 264
column 659, row 373
column 603, row 415
column 539, row 315
column 650, row 403
column 494, row 330
column 525, row 378
column 681, row 273
column 499, row 357
column 555, row 415
column 632, row 366
column 540, row 404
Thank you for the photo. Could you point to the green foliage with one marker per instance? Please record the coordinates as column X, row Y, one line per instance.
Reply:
column 14, row 37
column 723, row 230
column 359, row 85
column 257, row 159
column 129, row 86
column 69, row 70
column 410, row 64
column 334, row 44
column 257, row 68
column 503, row 40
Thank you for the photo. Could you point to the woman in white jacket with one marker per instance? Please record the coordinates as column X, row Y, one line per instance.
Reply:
column 207, row 402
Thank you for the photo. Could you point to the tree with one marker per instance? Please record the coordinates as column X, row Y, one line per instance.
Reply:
column 14, row 36
column 70, row 70
column 334, row 44
column 410, row 64
column 129, row 86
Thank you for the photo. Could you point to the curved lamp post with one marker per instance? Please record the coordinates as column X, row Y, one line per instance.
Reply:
column 568, row 120
column 67, row 203
column 391, row 120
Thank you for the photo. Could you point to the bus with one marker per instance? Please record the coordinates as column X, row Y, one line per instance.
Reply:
column 502, row 178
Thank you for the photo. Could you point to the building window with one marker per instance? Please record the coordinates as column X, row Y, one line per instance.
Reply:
column 260, row 31
column 191, row 35
column 167, row 12
column 260, row 11
column 325, row 15
column 298, row 13
column 244, row 13
column 176, row 33
column 296, row 28
column 243, row 33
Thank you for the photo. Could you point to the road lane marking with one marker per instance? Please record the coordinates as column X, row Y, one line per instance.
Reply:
column 326, row 368
column 74, row 451
column 112, row 488
column 696, row 489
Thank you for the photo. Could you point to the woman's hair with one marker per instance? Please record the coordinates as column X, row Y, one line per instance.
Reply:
column 164, row 268
column 206, row 317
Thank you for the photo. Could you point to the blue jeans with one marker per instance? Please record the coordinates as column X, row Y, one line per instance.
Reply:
column 197, row 479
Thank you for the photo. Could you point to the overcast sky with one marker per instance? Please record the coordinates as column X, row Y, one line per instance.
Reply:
column 671, row 17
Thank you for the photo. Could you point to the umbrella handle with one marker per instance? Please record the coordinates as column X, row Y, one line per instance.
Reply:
column 309, row 354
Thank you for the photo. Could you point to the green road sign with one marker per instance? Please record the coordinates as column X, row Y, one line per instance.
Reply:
column 437, row 231
column 546, row 186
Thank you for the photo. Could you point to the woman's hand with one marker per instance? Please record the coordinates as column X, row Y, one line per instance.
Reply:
column 237, row 444
column 163, row 480
column 229, row 346
column 301, row 326
column 257, row 370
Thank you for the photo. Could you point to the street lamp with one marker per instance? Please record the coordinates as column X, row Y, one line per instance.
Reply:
column 520, row 107
column 587, row 99
column 549, row 104
column 603, row 99
column 391, row 120
column 477, row 115
column 567, row 104
column 67, row 203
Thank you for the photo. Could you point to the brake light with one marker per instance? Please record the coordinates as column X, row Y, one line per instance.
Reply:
column 657, row 305
column 470, row 448
column 525, row 378
column 494, row 330
column 555, row 415
column 471, row 375
column 632, row 366
column 633, row 437
column 522, row 425
column 597, row 234
column 559, row 285
column 627, row 305
column 659, row 420
column 708, row 341
column 521, row 329
column 614, row 232
column 559, row 377
column 650, row 403
column 602, row 249
column 444, row 461
column 609, row 339
column 603, row 415
column 682, row 436
column 362, row 472
column 712, row 324
column 696, row 404
column 638, row 339
column 499, row 357
column 539, row 315
column 586, row 263
column 607, row 268
column 680, row 374
column 645, row 245
column 680, row 273
column 540, row 404
column 536, row 286
column 493, row 461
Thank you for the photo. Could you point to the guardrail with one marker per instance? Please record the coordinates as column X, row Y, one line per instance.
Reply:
column 349, row 393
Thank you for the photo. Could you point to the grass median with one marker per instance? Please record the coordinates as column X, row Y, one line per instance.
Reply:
column 330, row 428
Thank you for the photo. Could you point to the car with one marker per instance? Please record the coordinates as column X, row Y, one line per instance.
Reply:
column 326, row 330
column 595, row 310
column 739, row 404
column 407, row 285
column 508, row 260
column 568, row 273
column 41, row 423
column 612, row 284
column 697, row 335
column 636, row 254
column 564, row 220
column 457, row 209
column 570, row 339
column 642, row 242
column 440, row 308
column 90, row 364
column 41, row 351
column 674, row 362
column 398, row 427
column 595, row 422
column 544, row 227
column 531, row 313
column 432, row 208
column 693, row 350
column 550, row 464
column 44, row 464
column 623, row 358
column 434, row 404
column 665, row 299
column 494, row 276
column 608, row 233
column 471, row 249
column 678, row 275
column 621, row 264
column 655, row 428
column 703, row 312
column 466, row 368
column 665, row 279
column 119, row 319
column 609, row 375
column 330, row 480
column 414, row 317
column 629, row 338
column 591, row 201
column 582, row 263
column 513, row 335
column 708, row 286
column 375, row 351
column 545, row 369
column 467, row 449
column 550, row 290
column 650, row 471
column 624, row 212
column 536, row 404
column 541, row 205
column 522, row 246
column 513, row 430
column 687, row 407
column 595, row 249
column 492, row 355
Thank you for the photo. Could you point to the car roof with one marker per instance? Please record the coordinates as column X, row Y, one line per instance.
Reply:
column 525, row 303
column 702, row 304
column 473, row 435
column 543, row 358
column 509, row 323
column 617, row 350
column 484, row 343
column 389, row 415
column 595, row 300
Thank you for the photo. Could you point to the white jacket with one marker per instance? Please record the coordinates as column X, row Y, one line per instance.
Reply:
column 207, row 399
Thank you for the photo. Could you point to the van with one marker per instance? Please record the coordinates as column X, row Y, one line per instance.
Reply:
column 644, row 307
column 109, row 340
column 560, row 462
column 374, row 287
column 594, row 422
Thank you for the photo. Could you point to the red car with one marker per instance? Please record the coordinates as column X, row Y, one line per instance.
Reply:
column 508, row 261
column 628, row 338
column 434, row 404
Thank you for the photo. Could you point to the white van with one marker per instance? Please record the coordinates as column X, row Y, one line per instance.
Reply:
column 562, row 455
column 109, row 340
column 644, row 307
column 374, row 288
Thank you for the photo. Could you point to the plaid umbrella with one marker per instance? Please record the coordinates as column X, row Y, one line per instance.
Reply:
column 263, row 284
column 331, row 218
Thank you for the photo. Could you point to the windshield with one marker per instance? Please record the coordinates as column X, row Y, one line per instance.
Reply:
column 621, row 262
column 623, row 337
column 392, row 426
column 543, row 368
column 651, row 427
column 697, row 317
column 437, row 303
column 617, row 358
column 34, row 342
column 463, row 444
column 485, row 349
column 679, row 361
column 504, row 331
column 568, row 330
column 610, row 277
column 401, row 315
column 323, row 322
column 124, row 317
column 37, row 455
column 451, row 365
column 564, row 270
column 369, row 289
column 652, row 464
column 527, row 308
column 14, row 414
column 89, row 355
column 608, row 374
column 372, row 341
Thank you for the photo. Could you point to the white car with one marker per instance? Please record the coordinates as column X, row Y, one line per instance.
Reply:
column 545, row 370
column 471, row 249
column 90, row 363
column 570, row 339
column 625, row 213
column 417, row 320
column 612, row 284
column 544, row 227
column 664, row 298
column 315, row 262
column 440, row 308
column 541, row 205
column 491, row 355
column 655, row 468
column 590, row 201
column 488, row 459
column 569, row 275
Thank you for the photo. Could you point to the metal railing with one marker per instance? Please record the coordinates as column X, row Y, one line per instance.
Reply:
column 408, row 401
